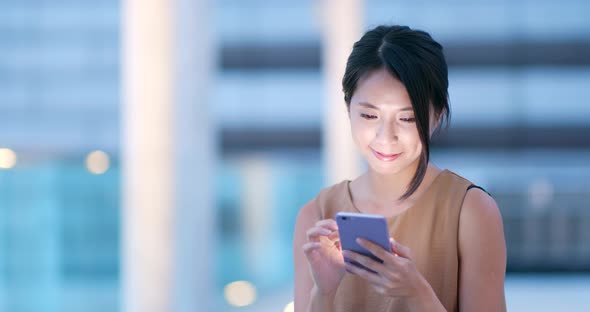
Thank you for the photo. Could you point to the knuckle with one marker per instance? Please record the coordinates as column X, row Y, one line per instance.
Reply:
column 409, row 252
column 389, row 284
column 352, row 268
column 353, row 260
column 308, row 246
column 407, row 265
column 389, row 276
column 386, row 281
column 380, row 253
column 404, row 264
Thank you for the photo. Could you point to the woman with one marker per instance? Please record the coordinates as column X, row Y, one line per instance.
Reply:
column 447, row 236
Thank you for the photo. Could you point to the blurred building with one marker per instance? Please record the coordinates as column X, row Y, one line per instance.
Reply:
column 519, row 74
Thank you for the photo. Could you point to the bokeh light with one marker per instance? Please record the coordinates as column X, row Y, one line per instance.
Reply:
column 240, row 293
column 97, row 162
column 7, row 158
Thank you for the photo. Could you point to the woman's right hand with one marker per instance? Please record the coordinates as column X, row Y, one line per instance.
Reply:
column 324, row 255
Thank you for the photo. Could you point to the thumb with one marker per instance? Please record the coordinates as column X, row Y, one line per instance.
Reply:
column 400, row 249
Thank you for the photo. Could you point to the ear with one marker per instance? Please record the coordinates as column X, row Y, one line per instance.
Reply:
column 436, row 121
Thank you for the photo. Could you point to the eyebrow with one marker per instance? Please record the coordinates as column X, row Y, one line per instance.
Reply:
column 369, row 105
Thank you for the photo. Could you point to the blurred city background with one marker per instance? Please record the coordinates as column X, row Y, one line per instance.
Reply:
column 519, row 75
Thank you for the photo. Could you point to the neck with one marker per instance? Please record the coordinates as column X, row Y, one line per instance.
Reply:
column 388, row 189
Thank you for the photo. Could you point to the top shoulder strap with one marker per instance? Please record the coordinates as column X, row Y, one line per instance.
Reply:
column 478, row 187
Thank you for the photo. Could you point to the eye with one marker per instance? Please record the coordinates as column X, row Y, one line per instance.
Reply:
column 412, row 119
column 368, row 116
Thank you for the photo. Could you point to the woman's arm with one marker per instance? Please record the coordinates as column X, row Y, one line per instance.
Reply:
column 307, row 297
column 320, row 302
column 482, row 252
column 303, row 280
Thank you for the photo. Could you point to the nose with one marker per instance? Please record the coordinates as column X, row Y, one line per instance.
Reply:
column 387, row 133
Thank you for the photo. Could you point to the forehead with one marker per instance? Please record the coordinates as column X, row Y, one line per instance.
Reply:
column 380, row 89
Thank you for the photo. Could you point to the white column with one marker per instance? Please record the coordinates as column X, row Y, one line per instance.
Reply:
column 195, row 160
column 257, row 214
column 167, row 156
column 342, row 25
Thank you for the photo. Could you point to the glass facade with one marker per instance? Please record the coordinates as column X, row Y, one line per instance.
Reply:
column 60, row 100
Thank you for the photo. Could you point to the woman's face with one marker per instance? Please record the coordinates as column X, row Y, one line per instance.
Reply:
column 383, row 125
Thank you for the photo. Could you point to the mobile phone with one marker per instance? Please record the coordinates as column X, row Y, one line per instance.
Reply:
column 360, row 225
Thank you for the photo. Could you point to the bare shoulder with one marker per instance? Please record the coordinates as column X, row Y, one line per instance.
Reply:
column 480, row 222
column 308, row 214
column 307, row 217
column 482, row 252
column 479, row 207
column 310, row 209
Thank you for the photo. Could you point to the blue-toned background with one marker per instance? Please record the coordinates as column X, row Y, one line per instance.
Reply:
column 519, row 78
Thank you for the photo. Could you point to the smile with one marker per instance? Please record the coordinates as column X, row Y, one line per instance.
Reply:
column 384, row 157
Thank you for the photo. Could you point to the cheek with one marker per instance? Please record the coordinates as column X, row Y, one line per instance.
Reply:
column 410, row 137
column 361, row 132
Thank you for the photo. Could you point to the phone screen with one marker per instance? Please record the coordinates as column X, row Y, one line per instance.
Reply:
column 358, row 225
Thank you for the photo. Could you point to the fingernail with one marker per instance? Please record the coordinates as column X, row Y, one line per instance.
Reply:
column 359, row 241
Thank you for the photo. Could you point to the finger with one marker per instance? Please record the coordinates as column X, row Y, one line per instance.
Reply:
column 399, row 249
column 369, row 276
column 380, row 289
column 335, row 236
column 311, row 246
column 375, row 249
column 315, row 233
column 365, row 261
column 328, row 223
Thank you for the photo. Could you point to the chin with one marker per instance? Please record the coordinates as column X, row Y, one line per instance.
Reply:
column 384, row 169
column 394, row 167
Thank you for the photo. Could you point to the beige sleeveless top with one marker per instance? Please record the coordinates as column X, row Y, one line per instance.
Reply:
column 429, row 228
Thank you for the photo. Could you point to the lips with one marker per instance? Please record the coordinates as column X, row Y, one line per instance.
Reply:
column 386, row 157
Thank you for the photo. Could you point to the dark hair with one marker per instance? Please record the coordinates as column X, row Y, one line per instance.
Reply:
column 413, row 57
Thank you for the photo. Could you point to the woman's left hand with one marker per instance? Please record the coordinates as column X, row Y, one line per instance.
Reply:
column 397, row 276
